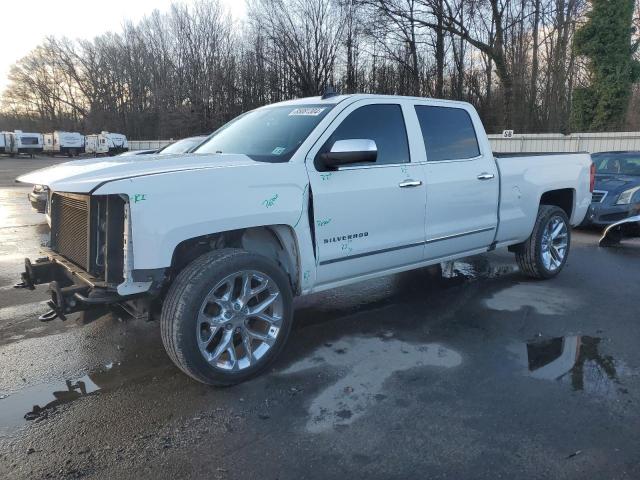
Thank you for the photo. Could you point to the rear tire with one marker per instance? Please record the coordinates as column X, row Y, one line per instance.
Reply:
column 543, row 255
column 213, row 325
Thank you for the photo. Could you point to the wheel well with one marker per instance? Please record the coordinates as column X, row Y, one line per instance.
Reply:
column 277, row 242
column 562, row 198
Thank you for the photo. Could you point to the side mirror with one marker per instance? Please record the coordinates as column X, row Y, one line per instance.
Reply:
column 343, row 152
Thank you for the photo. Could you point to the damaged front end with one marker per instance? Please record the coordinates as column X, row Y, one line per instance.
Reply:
column 71, row 289
column 88, row 259
column 616, row 232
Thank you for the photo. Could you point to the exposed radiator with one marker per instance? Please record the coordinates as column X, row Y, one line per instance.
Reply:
column 70, row 227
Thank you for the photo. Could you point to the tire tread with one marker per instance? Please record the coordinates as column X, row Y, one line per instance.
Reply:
column 180, row 298
column 528, row 253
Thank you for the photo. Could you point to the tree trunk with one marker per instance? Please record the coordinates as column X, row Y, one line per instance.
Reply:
column 439, row 50
column 535, row 65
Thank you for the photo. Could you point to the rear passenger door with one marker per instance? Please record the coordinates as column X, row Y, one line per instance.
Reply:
column 368, row 217
column 462, row 180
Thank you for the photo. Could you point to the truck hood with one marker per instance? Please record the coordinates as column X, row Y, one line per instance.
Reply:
column 83, row 176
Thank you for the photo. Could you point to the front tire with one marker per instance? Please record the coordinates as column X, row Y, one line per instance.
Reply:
column 544, row 254
column 227, row 316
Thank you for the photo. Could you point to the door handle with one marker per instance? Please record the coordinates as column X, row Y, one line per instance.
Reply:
column 410, row 183
column 485, row 176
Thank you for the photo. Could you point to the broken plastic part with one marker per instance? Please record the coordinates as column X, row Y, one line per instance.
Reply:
column 616, row 232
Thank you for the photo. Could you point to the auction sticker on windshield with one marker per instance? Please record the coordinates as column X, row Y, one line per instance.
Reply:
column 310, row 111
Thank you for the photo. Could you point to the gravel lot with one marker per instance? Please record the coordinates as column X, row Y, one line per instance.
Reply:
column 479, row 373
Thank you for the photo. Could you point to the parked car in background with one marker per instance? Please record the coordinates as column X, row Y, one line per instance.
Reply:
column 185, row 145
column 291, row 199
column 106, row 143
column 64, row 143
column 133, row 153
column 616, row 195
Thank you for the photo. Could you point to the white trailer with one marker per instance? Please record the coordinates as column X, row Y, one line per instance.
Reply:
column 3, row 143
column 17, row 142
column 106, row 143
column 64, row 143
column 28, row 142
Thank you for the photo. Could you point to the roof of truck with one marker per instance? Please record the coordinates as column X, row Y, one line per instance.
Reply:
column 335, row 99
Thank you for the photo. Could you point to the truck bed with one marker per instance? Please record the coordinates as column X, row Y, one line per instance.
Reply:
column 525, row 177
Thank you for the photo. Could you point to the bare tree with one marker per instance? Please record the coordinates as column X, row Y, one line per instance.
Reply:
column 193, row 68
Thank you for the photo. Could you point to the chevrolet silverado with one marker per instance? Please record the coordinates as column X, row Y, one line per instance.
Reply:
column 290, row 199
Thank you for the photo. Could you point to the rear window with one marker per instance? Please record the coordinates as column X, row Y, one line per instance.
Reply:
column 447, row 132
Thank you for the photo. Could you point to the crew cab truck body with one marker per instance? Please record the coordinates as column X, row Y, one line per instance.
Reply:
column 290, row 199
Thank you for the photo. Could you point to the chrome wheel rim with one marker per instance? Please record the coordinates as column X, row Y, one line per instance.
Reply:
column 555, row 240
column 239, row 320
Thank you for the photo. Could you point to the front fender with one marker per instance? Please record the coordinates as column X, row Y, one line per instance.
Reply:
column 167, row 209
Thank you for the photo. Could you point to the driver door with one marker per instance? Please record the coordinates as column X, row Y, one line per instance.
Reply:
column 368, row 217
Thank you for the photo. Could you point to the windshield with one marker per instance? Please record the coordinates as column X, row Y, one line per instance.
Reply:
column 617, row 163
column 267, row 135
column 182, row 146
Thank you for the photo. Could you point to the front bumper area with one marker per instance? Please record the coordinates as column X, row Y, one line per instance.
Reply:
column 72, row 290
column 603, row 215
column 38, row 201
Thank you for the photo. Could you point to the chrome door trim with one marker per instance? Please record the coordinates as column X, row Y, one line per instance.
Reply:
column 377, row 165
column 461, row 234
column 409, row 245
column 374, row 252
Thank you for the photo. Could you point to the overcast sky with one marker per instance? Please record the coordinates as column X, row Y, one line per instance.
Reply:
column 25, row 23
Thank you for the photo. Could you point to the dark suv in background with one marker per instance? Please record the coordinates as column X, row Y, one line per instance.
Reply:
column 616, row 195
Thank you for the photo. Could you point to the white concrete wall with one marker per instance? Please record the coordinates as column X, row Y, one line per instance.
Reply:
column 526, row 142
column 148, row 144
column 576, row 142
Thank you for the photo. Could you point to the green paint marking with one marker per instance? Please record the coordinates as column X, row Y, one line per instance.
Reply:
column 322, row 223
column 325, row 176
column 404, row 170
column 307, row 274
column 347, row 248
column 270, row 202
column 138, row 197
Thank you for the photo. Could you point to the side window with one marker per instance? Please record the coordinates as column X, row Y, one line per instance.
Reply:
column 448, row 133
column 384, row 124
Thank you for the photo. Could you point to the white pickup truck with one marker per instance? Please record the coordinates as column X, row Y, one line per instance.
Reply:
column 289, row 199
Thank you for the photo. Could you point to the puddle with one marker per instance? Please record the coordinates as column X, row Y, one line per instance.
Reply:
column 574, row 360
column 476, row 268
column 403, row 288
column 366, row 363
column 546, row 300
column 37, row 402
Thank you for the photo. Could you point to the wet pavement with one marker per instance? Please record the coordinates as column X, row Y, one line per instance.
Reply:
column 468, row 371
